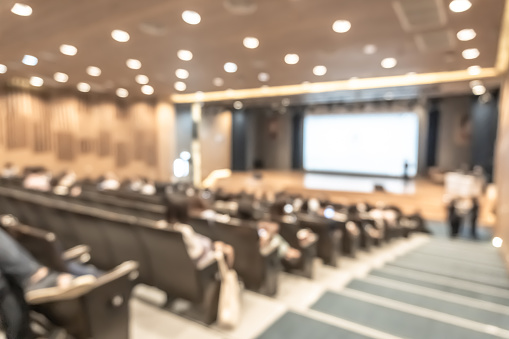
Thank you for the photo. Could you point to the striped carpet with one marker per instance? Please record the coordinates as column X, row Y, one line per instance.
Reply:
column 443, row 289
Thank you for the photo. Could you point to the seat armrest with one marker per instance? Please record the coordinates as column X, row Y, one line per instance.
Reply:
column 206, row 262
column 80, row 252
column 309, row 242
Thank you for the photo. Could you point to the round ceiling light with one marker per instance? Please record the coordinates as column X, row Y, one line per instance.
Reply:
column 341, row 26
column 3, row 68
column 182, row 73
column 191, row 17
column 147, row 89
column 21, row 9
column 83, row 87
column 120, row 36
column 141, row 79
column 60, row 77
column 180, row 86
column 251, row 42
column 230, row 67
column 93, row 71
column 291, row 59
column 319, row 70
column 471, row 53
column 370, row 49
column 36, row 81
column 218, row 82
column 478, row 90
column 68, row 50
column 459, row 6
column 263, row 77
column 184, row 55
column 133, row 63
column 389, row 63
column 474, row 70
column 238, row 105
column 466, row 34
column 122, row 92
column 30, row 60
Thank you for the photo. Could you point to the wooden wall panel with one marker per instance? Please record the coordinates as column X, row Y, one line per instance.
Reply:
column 90, row 136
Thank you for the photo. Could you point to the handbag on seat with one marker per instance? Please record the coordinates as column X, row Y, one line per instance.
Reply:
column 228, row 314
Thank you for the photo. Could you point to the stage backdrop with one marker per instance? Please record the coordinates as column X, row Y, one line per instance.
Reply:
column 376, row 144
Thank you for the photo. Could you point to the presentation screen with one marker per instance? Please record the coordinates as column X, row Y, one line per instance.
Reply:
column 378, row 144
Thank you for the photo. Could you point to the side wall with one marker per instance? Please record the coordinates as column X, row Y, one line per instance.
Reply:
column 88, row 134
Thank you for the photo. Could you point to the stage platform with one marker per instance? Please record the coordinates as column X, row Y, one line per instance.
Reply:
column 410, row 195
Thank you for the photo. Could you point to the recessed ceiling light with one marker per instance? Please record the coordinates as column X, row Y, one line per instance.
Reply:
column 218, row 82
column 147, row 89
column 180, row 86
column 120, row 36
column 474, row 83
column 68, row 50
column 21, row 9
column 184, row 55
column 83, row 87
column 3, row 68
column 93, row 71
column 30, row 60
column 474, row 70
column 230, row 67
column 263, row 77
column 370, row 49
column 60, row 77
column 133, row 63
column 459, row 6
column 182, row 73
column 251, row 42
column 319, row 70
column 470, row 53
column 122, row 92
column 238, row 105
column 466, row 34
column 36, row 81
column 341, row 26
column 389, row 63
column 479, row 90
column 191, row 17
column 141, row 79
column 291, row 59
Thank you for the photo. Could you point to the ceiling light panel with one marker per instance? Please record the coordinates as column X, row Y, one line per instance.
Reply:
column 191, row 17
column 120, row 36
column 21, row 9
column 68, row 50
column 185, row 55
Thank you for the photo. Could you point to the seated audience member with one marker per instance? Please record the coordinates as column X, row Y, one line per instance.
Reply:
column 200, row 248
column 136, row 184
column 269, row 236
column 110, row 182
column 65, row 183
column 9, row 171
column 39, row 284
column 148, row 188
column 39, row 180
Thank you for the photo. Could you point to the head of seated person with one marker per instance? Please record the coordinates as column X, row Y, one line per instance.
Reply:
column 9, row 171
column 148, row 188
column 110, row 182
column 38, row 180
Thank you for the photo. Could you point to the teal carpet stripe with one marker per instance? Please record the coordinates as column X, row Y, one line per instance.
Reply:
column 391, row 321
column 296, row 326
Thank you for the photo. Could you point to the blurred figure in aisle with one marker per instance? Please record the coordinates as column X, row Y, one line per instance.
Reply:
column 474, row 214
column 454, row 218
column 9, row 171
column 38, row 179
column 110, row 182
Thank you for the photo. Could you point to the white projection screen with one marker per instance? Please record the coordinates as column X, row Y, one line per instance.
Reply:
column 377, row 144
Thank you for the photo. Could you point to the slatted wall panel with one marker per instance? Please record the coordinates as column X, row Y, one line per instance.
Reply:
column 122, row 154
column 65, row 148
column 104, row 144
column 16, row 122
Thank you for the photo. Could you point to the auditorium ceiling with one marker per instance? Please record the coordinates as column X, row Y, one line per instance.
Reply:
column 420, row 34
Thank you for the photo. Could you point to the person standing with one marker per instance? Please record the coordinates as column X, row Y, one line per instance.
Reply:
column 454, row 219
column 474, row 214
